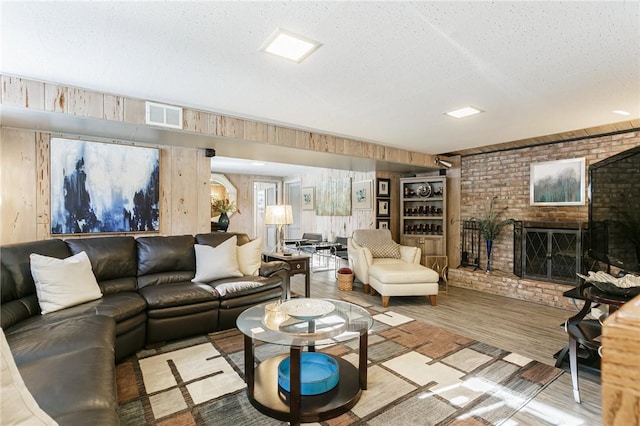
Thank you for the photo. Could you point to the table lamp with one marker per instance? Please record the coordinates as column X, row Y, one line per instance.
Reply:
column 279, row 215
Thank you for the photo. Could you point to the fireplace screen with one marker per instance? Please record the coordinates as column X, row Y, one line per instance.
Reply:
column 552, row 254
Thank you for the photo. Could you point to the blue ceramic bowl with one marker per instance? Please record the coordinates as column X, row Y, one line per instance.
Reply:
column 319, row 373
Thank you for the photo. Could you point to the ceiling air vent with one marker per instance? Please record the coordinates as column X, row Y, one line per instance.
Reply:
column 164, row 115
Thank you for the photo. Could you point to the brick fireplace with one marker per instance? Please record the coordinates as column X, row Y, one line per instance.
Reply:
column 505, row 174
column 552, row 251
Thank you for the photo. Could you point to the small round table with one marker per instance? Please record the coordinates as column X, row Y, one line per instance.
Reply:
column 345, row 322
column 613, row 301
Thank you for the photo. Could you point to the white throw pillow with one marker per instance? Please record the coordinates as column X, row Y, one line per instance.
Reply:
column 236, row 286
column 18, row 406
column 62, row 283
column 250, row 257
column 215, row 263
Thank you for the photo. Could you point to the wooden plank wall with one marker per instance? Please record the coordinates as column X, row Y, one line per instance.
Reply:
column 25, row 93
column 453, row 212
column 184, row 172
column 340, row 225
column 43, row 190
column 184, row 192
column 18, row 175
column 25, row 194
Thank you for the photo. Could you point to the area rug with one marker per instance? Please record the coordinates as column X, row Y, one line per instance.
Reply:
column 418, row 374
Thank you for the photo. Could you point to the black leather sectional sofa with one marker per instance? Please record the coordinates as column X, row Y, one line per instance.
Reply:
column 67, row 358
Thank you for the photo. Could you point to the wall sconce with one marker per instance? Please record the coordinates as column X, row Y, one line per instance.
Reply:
column 279, row 215
column 442, row 163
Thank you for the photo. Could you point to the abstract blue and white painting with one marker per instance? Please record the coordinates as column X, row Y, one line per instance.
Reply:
column 103, row 187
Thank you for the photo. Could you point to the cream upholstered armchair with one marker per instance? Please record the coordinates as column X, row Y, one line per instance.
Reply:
column 386, row 250
column 389, row 268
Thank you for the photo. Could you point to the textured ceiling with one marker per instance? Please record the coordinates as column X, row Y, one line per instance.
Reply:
column 386, row 72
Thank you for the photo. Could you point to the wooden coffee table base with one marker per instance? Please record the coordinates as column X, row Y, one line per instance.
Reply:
column 263, row 390
column 271, row 400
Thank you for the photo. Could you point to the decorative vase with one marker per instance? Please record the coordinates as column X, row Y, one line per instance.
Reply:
column 489, row 245
column 223, row 222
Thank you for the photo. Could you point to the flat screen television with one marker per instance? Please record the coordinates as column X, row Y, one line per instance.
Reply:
column 614, row 210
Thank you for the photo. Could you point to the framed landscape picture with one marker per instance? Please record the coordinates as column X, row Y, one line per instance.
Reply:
column 361, row 195
column 333, row 198
column 341, row 197
column 383, row 188
column 558, row 183
column 307, row 198
column 103, row 187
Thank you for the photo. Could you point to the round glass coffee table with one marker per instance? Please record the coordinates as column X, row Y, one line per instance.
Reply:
column 300, row 323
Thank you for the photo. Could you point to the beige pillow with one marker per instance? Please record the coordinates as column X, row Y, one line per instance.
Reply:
column 386, row 250
column 18, row 406
column 215, row 263
column 62, row 283
column 250, row 257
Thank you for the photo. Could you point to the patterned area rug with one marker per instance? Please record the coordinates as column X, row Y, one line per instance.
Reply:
column 418, row 374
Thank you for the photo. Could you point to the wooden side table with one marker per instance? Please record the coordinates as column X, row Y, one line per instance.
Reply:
column 298, row 263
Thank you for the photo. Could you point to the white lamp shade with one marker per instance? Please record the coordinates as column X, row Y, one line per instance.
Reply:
column 278, row 215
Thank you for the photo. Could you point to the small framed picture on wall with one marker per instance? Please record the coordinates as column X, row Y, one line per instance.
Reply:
column 383, row 189
column 361, row 198
column 383, row 223
column 308, row 198
column 383, row 208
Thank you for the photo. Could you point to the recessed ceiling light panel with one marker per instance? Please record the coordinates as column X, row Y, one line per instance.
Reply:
column 464, row 112
column 288, row 45
column 621, row 112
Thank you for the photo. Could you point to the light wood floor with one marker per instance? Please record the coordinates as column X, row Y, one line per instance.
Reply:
column 522, row 327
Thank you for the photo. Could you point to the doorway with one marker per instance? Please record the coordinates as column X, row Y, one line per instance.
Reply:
column 293, row 197
column 265, row 193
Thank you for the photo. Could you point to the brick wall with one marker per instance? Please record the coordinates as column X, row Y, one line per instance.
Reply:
column 508, row 285
column 505, row 175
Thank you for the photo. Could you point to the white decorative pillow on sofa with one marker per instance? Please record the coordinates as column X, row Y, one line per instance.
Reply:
column 18, row 406
column 236, row 286
column 250, row 257
column 215, row 263
column 62, row 283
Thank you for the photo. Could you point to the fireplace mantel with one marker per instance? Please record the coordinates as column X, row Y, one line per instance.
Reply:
column 555, row 225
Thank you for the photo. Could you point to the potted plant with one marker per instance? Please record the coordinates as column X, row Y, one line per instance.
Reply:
column 491, row 223
column 224, row 207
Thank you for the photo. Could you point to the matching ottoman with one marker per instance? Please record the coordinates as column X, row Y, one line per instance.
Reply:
column 403, row 279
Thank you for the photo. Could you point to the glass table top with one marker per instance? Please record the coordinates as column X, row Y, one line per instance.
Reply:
column 312, row 322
